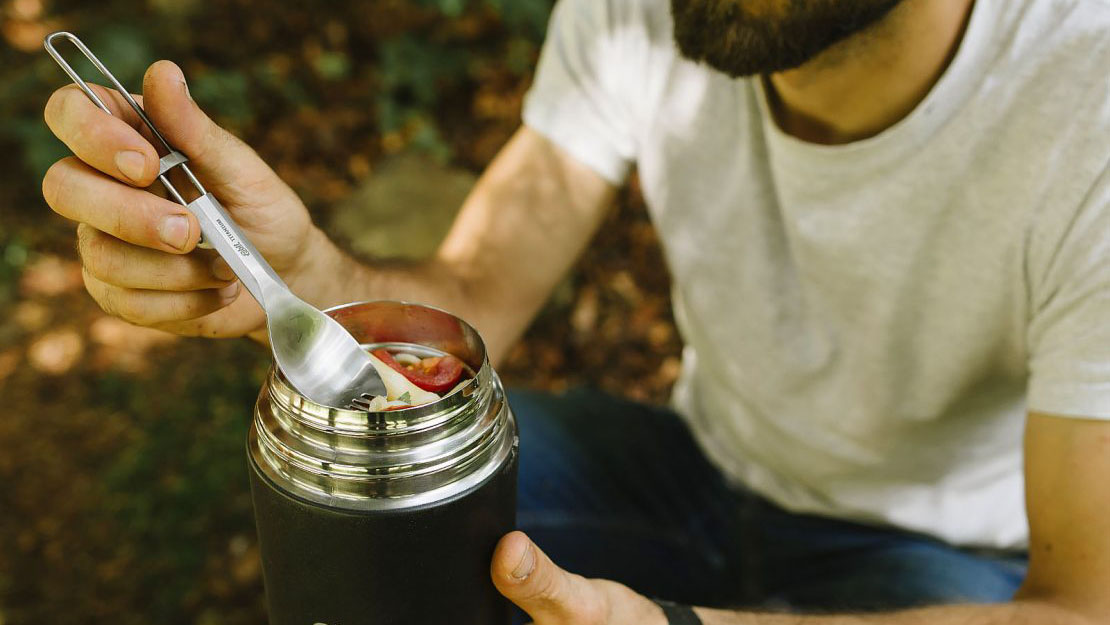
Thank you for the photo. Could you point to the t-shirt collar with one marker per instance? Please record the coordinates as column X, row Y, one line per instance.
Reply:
column 954, row 88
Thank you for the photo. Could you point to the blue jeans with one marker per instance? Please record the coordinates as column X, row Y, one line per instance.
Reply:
column 619, row 490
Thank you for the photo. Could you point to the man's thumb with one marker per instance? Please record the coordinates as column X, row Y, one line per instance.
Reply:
column 550, row 595
column 221, row 160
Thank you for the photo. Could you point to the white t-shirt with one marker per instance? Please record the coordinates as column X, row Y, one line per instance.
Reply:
column 866, row 324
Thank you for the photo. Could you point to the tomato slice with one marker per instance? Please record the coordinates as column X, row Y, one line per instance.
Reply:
column 436, row 374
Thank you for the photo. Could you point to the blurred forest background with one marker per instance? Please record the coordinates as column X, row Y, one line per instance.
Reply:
column 123, row 490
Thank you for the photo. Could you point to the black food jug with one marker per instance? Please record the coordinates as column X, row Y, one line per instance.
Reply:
column 386, row 518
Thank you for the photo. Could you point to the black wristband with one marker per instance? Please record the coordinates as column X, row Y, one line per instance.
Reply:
column 678, row 614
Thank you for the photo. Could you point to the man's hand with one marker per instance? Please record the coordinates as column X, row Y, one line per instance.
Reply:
column 136, row 246
column 552, row 596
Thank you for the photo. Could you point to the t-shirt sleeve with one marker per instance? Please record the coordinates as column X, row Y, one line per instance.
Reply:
column 1069, row 329
column 576, row 99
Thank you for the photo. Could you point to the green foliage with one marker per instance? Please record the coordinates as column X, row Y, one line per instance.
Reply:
column 225, row 93
column 332, row 66
column 520, row 54
column 413, row 74
column 450, row 8
column 428, row 140
column 124, row 47
column 270, row 84
column 527, row 17
column 414, row 68
column 40, row 147
column 13, row 255
column 521, row 16
column 182, row 481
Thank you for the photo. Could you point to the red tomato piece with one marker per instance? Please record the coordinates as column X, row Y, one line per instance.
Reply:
column 436, row 374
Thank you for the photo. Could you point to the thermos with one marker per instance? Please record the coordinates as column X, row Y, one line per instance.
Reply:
column 386, row 518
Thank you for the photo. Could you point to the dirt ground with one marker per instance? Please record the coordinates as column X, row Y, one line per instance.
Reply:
column 123, row 491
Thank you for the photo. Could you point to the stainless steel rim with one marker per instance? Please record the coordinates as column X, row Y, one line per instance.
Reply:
column 357, row 460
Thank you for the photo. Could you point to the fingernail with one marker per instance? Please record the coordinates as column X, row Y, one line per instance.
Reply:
column 131, row 164
column 174, row 231
column 229, row 293
column 221, row 270
column 527, row 563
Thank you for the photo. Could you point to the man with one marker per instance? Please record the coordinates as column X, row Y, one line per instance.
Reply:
column 887, row 223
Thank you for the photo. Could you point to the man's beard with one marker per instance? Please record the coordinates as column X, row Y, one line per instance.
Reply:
column 730, row 37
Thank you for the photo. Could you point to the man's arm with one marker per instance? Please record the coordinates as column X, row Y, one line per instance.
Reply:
column 1067, row 461
column 1015, row 613
column 522, row 226
column 525, row 222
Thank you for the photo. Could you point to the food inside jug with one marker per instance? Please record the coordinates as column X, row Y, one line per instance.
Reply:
column 414, row 375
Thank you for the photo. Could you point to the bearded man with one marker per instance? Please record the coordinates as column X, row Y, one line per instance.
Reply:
column 887, row 223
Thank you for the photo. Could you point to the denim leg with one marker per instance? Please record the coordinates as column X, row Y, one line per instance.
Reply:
column 619, row 490
column 818, row 564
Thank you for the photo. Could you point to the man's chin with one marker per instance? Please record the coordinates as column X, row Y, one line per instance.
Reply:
column 750, row 65
column 724, row 36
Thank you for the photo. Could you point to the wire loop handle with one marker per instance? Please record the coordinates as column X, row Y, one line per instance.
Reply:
column 172, row 159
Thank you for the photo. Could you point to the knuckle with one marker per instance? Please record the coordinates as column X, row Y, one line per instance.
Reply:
column 218, row 143
column 185, row 273
column 71, row 103
column 161, row 278
column 119, row 226
column 122, row 217
column 172, row 272
column 548, row 590
column 116, row 301
column 100, row 292
column 91, row 250
column 187, row 306
column 85, row 233
column 596, row 611
column 135, row 218
column 63, row 114
column 99, row 256
column 563, row 593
